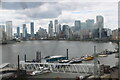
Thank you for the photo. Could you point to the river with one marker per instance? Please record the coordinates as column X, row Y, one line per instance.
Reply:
column 76, row 49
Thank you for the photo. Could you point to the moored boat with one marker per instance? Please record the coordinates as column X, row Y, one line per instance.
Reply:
column 7, row 71
column 58, row 58
column 75, row 61
column 41, row 71
column 64, row 61
column 87, row 58
column 102, row 55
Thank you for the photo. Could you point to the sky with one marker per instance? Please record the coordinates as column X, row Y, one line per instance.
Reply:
column 66, row 11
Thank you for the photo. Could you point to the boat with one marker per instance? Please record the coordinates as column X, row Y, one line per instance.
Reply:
column 102, row 55
column 7, row 71
column 6, row 65
column 64, row 61
column 75, row 61
column 58, row 58
column 41, row 71
column 87, row 58
column 106, row 51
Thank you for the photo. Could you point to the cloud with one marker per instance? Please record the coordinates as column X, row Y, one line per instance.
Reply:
column 65, row 12
column 20, row 5
column 46, row 10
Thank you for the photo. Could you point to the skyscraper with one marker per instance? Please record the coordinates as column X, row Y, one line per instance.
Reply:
column 18, row 32
column 9, row 30
column 50, row 29
column 83, row 25
column 24, row 31
column 100, row 21
column 56, row 26
column 65, row 31
column 42, row 33
column 2, row 33
column 59, row 28
column 100, row 24
column 77, row 25
column 90, row 24
column 32, row 29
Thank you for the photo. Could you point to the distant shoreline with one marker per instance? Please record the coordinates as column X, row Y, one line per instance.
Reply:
column 98, row 41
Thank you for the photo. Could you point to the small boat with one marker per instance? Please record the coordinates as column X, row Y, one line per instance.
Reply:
column 102, row 55
column 87, row 58
column 75, row 61
column 7, row 70
column 6, row 65
column 47, row 57
column 41, row 71
column 52, row 59
column 64, row 61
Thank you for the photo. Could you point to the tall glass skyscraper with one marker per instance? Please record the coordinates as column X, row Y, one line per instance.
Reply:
column 100, row 21
column 77, row 25
column 32, row 29
column 90, row 24
column 100, row 24
column 9, row 30
column 24, row 31
column 50, row 29
column 18, row 32
column 56, row 26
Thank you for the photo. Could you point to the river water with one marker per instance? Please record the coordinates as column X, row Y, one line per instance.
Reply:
column 76, row 49
column 9, row 52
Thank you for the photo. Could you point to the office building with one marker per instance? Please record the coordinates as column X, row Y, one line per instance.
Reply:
column 90, row 24
column 2, row 33
column 24, row 31
column 83, row 26
column 42, row 33
column 9, row 30
column 66, row 31
column 56, row 26
column 100, row 24
column 50, row 29
column 77, row 25
column 115, row 35
column 18, row 32
column 100, row 21
column 32, row 29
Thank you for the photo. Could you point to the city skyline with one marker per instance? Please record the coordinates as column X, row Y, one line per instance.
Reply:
column 65, row 12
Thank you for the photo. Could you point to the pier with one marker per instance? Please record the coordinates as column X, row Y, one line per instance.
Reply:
column 60, row 68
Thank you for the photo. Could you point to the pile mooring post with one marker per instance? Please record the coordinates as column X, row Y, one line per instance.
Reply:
column 25, row 57
column 95, row 64
column 38, row 56
column 18, row 70
column 67, row 55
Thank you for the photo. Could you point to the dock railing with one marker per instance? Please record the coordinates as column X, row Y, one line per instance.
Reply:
column 60, row 67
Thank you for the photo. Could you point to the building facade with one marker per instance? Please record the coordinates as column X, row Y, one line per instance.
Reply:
column 50, row 29
column 9, row 30
column 66, row 31
column 90, row 24
column 56, row 26
column 32, row 29
column 24, row 31
column 42, row 33
column 77, row 25
column 18, row 32
column 100, row 24
column 2, row 33
column 100, row 21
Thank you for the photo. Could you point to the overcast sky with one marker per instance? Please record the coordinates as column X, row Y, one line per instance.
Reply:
column 65, row 11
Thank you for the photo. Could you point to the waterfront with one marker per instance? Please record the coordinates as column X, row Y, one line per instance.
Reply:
column 76, row 49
